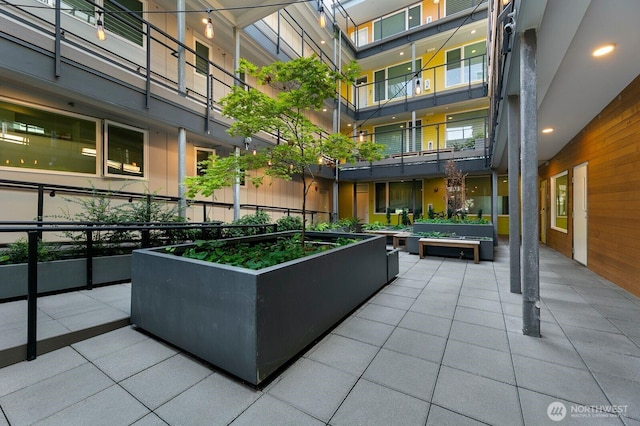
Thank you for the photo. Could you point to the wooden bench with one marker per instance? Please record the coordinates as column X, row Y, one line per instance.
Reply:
column 448, row 242
column 400, row 237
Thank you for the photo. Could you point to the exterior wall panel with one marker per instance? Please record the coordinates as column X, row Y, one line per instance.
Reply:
column 610, row 144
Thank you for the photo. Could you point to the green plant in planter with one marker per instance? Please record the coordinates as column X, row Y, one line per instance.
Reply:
column 260, row 217
column 257, row 255
column 289, row 223
column 301, row 85
column 18, row 252
column 373, row 226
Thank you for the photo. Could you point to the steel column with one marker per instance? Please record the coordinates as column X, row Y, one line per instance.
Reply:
column 529, row 167
column 513, row 148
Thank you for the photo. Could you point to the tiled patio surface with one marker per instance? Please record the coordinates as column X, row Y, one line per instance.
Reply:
column 441, row 345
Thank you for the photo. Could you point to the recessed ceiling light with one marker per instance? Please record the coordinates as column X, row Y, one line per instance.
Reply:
column 473, row 31
column 547, row 130
column 321, row 41
column 604, row 50
column 401, row 53
column 349, row 125
column 324, row 110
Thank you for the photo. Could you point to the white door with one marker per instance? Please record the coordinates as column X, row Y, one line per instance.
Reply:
column 362, row 201
column 361, row 88
column 580, row 213
column 543, row 211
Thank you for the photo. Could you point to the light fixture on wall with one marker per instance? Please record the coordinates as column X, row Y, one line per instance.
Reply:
column 322, row 18
column 100, row 28
column 208, row 27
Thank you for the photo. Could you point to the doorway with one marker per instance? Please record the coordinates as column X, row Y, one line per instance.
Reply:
column 580, row 213
column 361, row 88
column 543, row 211
column 362, row 202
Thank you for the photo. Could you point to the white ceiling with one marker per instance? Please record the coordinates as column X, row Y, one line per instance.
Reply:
column 573, row 86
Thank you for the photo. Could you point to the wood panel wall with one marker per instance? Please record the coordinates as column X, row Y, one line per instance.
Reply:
column 610, row 144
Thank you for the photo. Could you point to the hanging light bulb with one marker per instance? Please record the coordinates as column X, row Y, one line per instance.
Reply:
column 323, row 17
column 320, row 161
column 100, row 28
column 254, row 151
column 208, row 28
column 418, row 87
column 361, row 136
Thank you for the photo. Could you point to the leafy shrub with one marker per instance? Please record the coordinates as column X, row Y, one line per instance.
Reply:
column 260, row 217
column 258, row 255
column 18, row 252
column 289, row 223
column 374, row 226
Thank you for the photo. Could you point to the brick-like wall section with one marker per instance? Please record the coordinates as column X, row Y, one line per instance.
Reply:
column 610, row 144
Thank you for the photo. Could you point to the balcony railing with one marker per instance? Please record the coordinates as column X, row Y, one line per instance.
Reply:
column 462, row 137
column 431, row 82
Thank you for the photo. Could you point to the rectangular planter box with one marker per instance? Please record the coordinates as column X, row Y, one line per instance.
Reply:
column 251, row 323
column 461, row 229
column 59, row 275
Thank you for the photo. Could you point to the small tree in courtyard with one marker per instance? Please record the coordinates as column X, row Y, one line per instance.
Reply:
column 300, row 86
column 455, row 190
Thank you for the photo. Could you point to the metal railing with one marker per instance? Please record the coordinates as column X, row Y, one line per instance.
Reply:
column 34, row 231
column 43, row 191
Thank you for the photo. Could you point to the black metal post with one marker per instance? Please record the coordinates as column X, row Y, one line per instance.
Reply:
column 40, row 212
column 89, row 259
column 32, row 296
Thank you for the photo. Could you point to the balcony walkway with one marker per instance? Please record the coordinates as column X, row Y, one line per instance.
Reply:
column 441, row 345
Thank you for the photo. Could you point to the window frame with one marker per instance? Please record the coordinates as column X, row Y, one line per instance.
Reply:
column 211, row 152
column 463, row 67
column 196, row 71
column 387, row 193
column 105, row 150
column 555, row 198
column 98, row 142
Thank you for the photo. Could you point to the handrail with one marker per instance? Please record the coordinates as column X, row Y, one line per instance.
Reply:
column 53, row 189
column 35, row 230
column 403, row 88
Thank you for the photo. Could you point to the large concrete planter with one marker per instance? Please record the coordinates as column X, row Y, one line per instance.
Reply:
column 60, row 275
column 251, row 323
column 460, row 229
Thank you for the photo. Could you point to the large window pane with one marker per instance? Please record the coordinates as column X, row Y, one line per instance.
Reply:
column 466, row 130
column 478, row 195
column 126, row 25
column 414, row 16
column 125, row 150
column 381, row 197
column 81, row 9
column 475, row 62
column 455, row 6
column 559, row 201
column 453, row 67
column 202, row 63
column 405, row 195
column 392, row 137
column 379, row 84
column 31, row 138
column 390, row 25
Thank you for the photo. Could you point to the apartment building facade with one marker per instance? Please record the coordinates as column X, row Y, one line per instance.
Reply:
column 117, row 95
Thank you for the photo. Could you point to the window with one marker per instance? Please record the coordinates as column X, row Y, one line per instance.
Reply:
column 466, row 64
column 466, row 130
column 202, row 154
column 559, row 201
column 398, row 22
column 126, row 25
column 455, row 6
column 398, row 196
column 397, row 138
column 202, row 58
column 80, row 9
column 126, row 150
column 34, row 138
column 395, row 81
column 477, row 195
